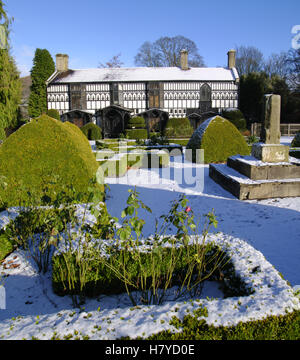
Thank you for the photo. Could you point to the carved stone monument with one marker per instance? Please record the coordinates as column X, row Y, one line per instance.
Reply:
column 269, row 172
column 270, row 150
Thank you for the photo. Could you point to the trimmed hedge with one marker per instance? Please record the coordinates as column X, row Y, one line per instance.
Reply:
column 40, row 151
column 236, row 117
column 178, row 127
column 137, row 122
column 92, row 131
column 296, row 140
column 219, row 139
column 136, row 134
column 272, row 328
column 54, row 114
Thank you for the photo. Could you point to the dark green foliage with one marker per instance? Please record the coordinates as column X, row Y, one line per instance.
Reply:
column 295, row 154
column 6, row 245
column 296, row 140
column 54, row 114
column 10, row 84
column 40, row 152
column 178, row 127
column 92, row 131
column 253, row 87
column 236, row 117
column 43, row 68
column 137, row 122
column 137, row 134
column 220, row 140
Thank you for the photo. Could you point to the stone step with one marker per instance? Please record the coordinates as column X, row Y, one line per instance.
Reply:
column 257, row 170
column 245, row 188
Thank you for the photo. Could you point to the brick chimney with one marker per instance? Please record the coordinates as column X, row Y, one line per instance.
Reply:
column 184, row 60
column 231, row 59
column 62, row 62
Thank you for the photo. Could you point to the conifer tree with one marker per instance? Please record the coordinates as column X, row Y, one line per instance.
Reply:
column 43, row 68
column 10, row 84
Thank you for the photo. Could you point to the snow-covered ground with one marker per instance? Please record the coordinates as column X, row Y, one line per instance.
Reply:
column 270, row 226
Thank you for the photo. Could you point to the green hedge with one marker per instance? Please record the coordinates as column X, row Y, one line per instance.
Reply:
column 296, row 140
column 136, row 134
column 137, row 122
column 42, row 151
column 285, row 327
column 54, row 114
column 236, row 117
column 92, row 131
column 178, row 127
column 219, row 140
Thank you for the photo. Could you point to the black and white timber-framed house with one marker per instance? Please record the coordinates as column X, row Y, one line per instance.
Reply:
column 109, row 96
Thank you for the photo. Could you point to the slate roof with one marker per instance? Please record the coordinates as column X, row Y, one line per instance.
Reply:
column 144, row 74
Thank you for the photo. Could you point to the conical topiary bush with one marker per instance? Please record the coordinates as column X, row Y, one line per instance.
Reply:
column 219, row 139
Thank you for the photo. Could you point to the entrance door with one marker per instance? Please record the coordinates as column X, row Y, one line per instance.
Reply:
column 154, row 95
column 205, row 98
column 113, row 124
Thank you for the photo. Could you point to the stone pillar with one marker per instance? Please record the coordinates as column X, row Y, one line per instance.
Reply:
column 270, row 150
column 270, row 132
column 184, row 60
column 231, row 59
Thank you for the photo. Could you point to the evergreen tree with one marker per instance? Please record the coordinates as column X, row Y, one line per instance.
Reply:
column 10, row 84
column 43, row 68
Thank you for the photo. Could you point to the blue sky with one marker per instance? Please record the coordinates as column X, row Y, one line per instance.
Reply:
column 92, row 31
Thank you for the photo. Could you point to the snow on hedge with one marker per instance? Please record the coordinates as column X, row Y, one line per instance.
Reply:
column 116, row 316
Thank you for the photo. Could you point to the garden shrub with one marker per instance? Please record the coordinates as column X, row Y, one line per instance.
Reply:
column 54, row 114
column 102, row 280
column 137, row 122
column 296, row 140
column 6, row 245
column 295, row 154
column 236, row 117
column 271, row 328
column 45, row 151
column 219, row 139
column 178, row 127
column 136, row 134
column 92, row 131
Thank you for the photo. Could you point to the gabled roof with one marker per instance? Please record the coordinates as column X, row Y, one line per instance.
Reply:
column 144, row 74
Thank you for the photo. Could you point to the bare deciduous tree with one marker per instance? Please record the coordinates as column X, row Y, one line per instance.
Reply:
column 166, row 52
column 249, row 59
column 114, row 62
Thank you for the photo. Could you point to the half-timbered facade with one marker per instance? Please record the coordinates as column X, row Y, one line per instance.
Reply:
column 176, row 91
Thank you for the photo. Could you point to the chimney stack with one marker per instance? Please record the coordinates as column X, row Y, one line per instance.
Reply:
column 231, row 59
column 62, row 62
column 184, row 60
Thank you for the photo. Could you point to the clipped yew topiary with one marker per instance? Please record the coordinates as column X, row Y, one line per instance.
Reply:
column 136, row 122
column 296, row 141
column 178, row 127
column 92, row 131
column 45, row 153
column 54, row 114
column 219, row 139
